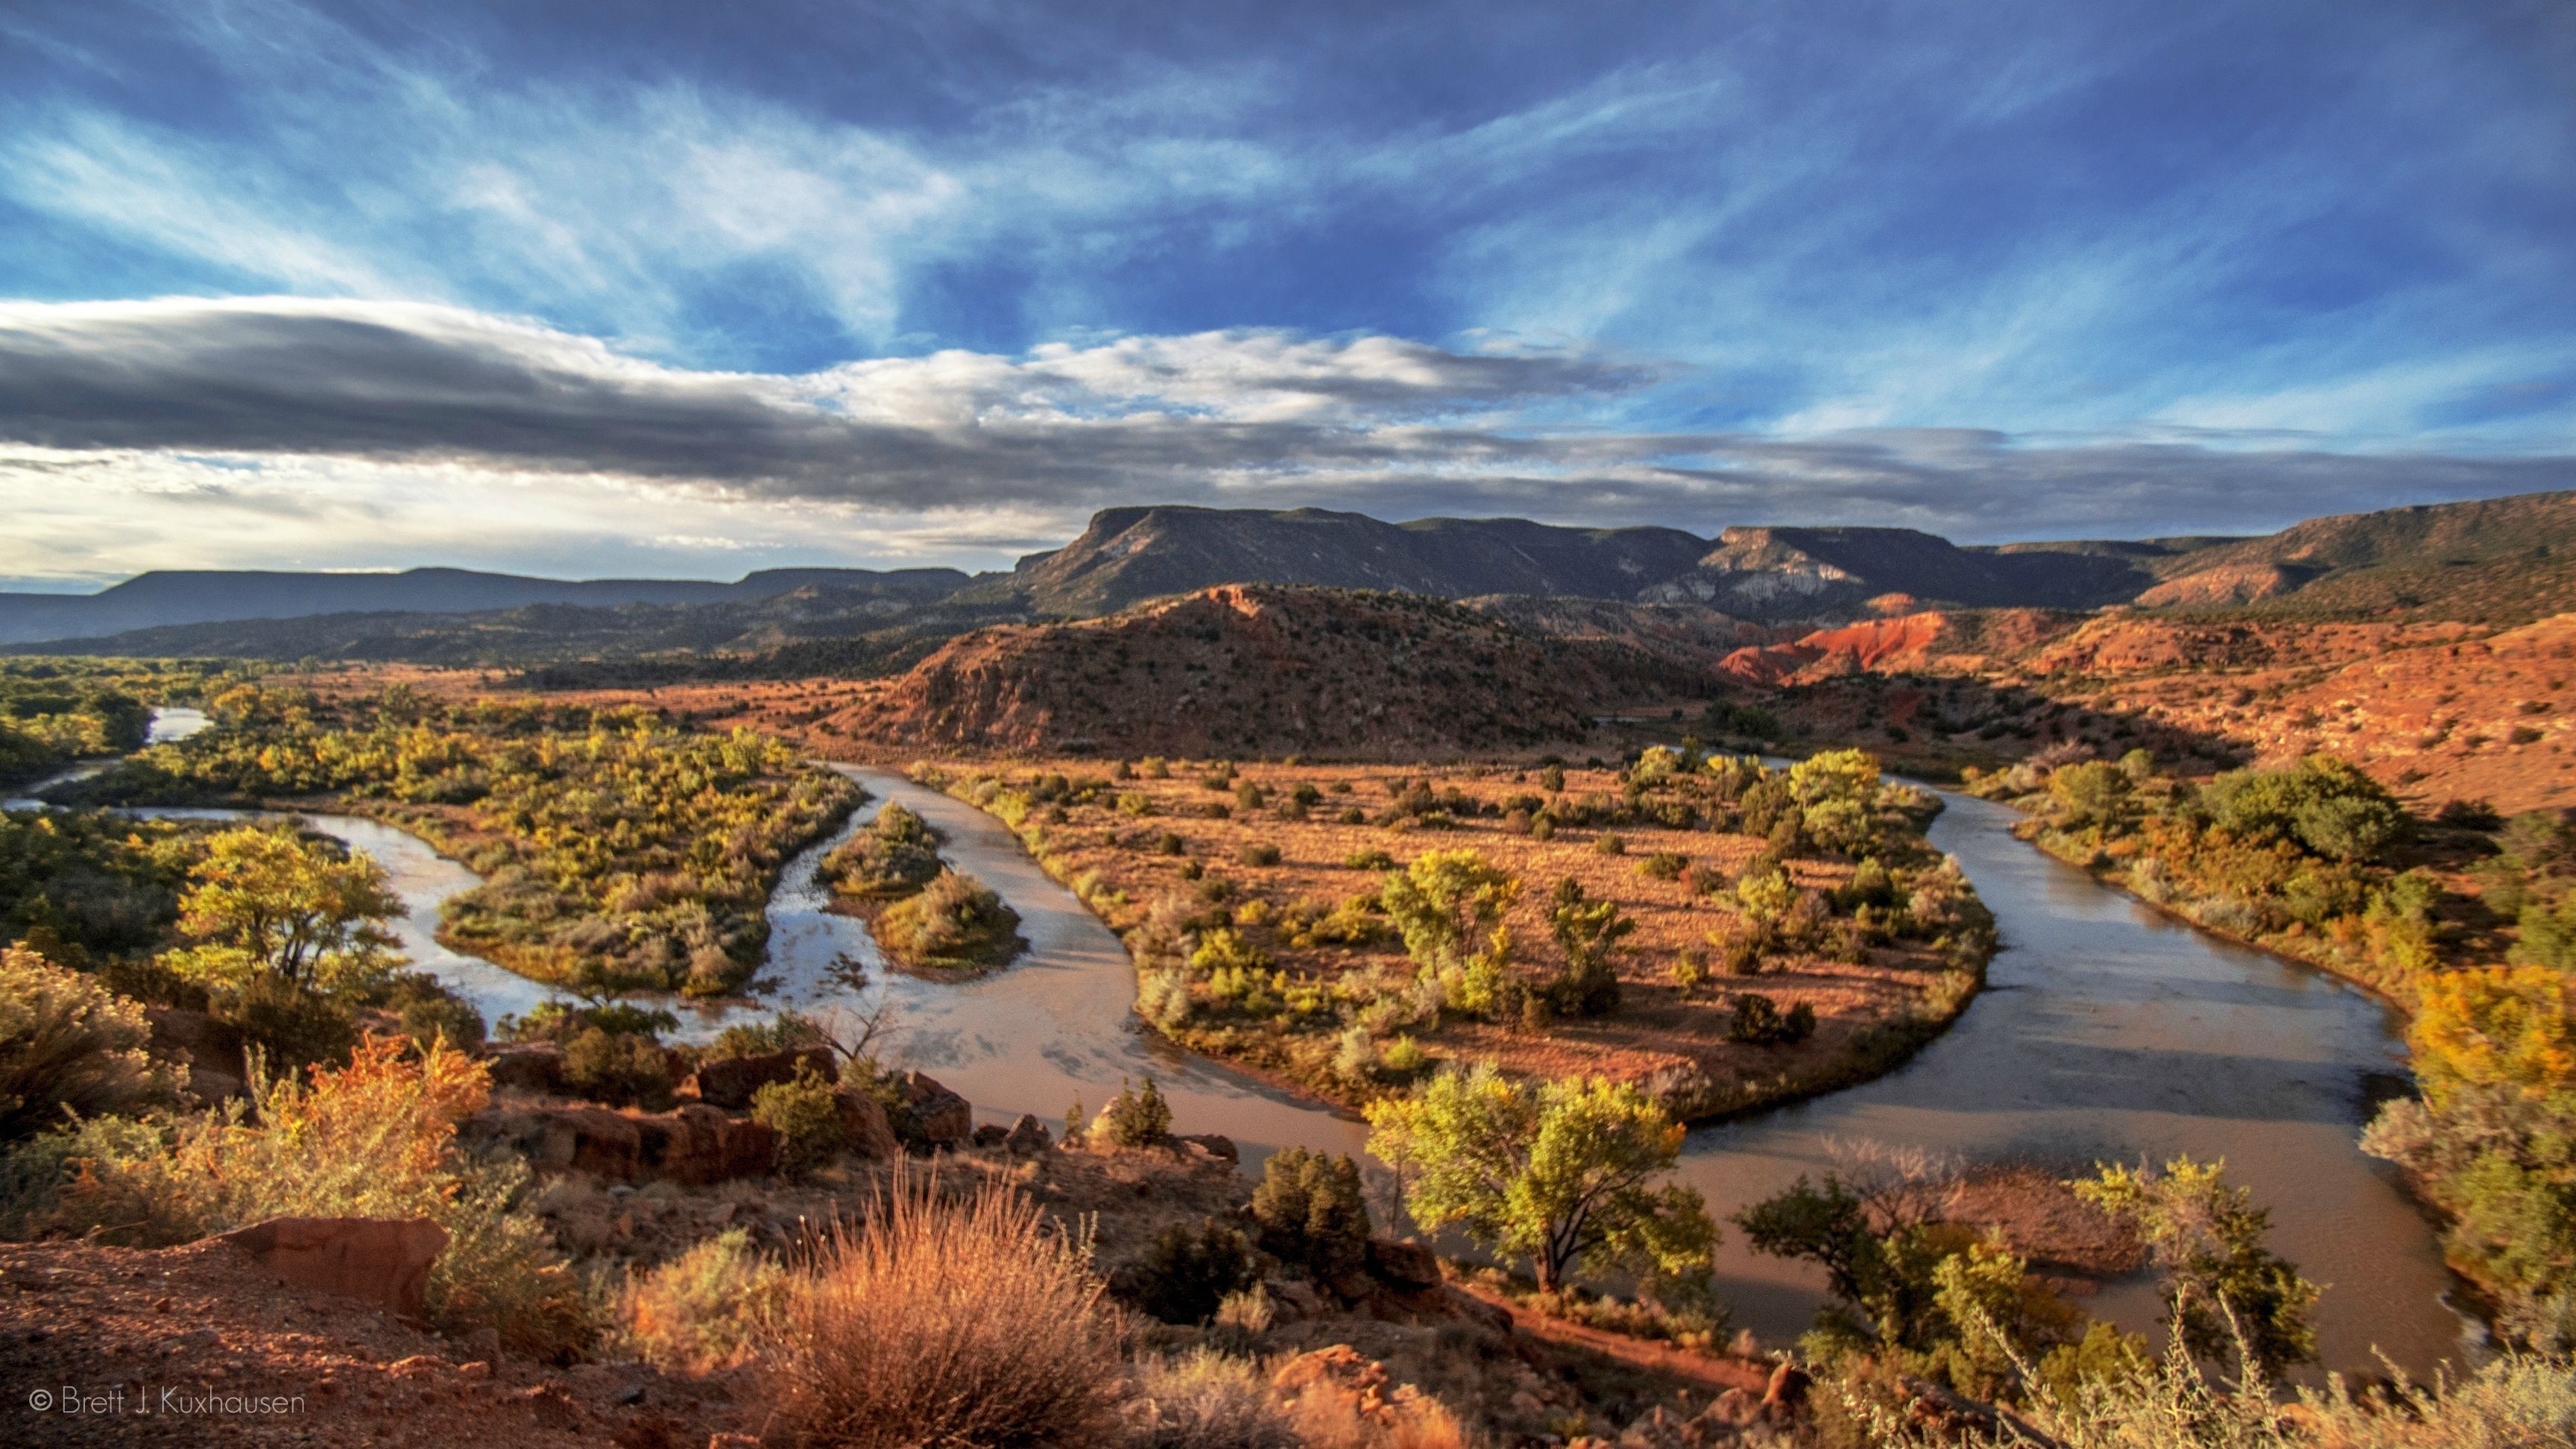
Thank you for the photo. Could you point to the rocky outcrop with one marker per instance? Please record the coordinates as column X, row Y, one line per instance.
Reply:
column 730, row 1082
column 693, row 1146
column 864, row 1127
column 1029, row 1136
column 932, row 1117
column 378, row 1260
column 1341, row 1388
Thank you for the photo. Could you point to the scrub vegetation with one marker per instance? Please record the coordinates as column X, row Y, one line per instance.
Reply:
column 1719, row 932
column 619, row 851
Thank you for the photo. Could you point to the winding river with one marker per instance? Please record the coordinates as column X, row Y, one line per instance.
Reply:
column 2107, row 1031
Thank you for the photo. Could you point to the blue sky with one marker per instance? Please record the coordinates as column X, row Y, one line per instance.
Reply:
column 690, row 289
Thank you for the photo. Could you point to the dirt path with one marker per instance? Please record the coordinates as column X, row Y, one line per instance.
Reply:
column 1715, row 1375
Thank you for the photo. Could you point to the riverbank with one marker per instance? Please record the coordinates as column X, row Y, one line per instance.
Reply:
column 1254, row 889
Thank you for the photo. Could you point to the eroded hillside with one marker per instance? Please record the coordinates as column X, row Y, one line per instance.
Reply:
column 1257, row 669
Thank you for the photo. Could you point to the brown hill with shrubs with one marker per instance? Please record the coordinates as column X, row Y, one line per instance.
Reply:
column 1256, row 669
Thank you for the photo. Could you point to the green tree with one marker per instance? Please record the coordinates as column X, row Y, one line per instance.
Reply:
column 1556, row 1172
column 1837, row 790
column 1313, row 1214
column 2207, row 1240
column 265, row 902
column 2092, row 795
column 1442, row 903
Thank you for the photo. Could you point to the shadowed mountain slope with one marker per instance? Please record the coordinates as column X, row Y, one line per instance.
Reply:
column 1257, row 669
column 1132, row 554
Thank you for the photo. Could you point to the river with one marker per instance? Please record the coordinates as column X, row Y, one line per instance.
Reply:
column 2106, row 1031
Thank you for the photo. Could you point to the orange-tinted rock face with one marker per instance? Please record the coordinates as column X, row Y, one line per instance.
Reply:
column 1902, row 642
column 376, row 1260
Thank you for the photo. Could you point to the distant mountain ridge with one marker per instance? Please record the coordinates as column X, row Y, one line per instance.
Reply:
column 180, row 596
column 1128, row 555
column 2505, row 560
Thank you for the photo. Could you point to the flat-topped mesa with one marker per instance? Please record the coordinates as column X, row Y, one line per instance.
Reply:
column 1127, row 555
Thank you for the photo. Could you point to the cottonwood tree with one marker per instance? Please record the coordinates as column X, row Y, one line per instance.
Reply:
column 1560, row 1173
column 2207, row 1240
column 1444, row 902
column 268, row 903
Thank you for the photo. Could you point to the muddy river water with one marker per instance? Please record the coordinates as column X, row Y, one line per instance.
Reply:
column 2107, row 1031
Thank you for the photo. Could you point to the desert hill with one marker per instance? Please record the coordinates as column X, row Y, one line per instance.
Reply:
column 2496, row 560
column 1254, row 669
column 166, row 598
column 1131, row 554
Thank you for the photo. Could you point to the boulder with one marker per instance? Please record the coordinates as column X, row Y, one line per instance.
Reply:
column 1029, row 1136
column 211, row 1050
column 1403, row 1265
column 864, row 1126
column 932, row 1116
column 991, row 1134
column 384, row 1261
column 1217, row 1144
column 532, row 1068
column 731, row 1081
column 693, row 1146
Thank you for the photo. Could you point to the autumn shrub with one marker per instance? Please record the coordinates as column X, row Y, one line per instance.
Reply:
column 68, row 1046
column 894, row 856
column 804, row 1116
column 940, row 1322
column 954, row 923
column 619, row 1068
column 1368, row 859
column 375, row 1138
column 705, row 1310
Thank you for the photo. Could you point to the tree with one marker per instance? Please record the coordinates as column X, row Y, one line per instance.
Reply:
column 1556, row 1172
column 1837, row 790
column 2092, row 795
column 1313, row 1214
column 2512, row 1026
column 1442, row 902
column 1588, row 932
column 2208, row 1241
column 266, row 902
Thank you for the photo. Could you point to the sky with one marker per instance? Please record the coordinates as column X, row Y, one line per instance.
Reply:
column 687, row 290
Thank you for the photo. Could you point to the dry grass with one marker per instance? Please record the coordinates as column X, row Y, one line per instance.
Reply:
column 937, row 1322
column 1205, row 1400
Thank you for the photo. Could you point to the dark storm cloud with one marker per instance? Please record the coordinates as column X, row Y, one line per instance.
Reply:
column 1246, row 418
